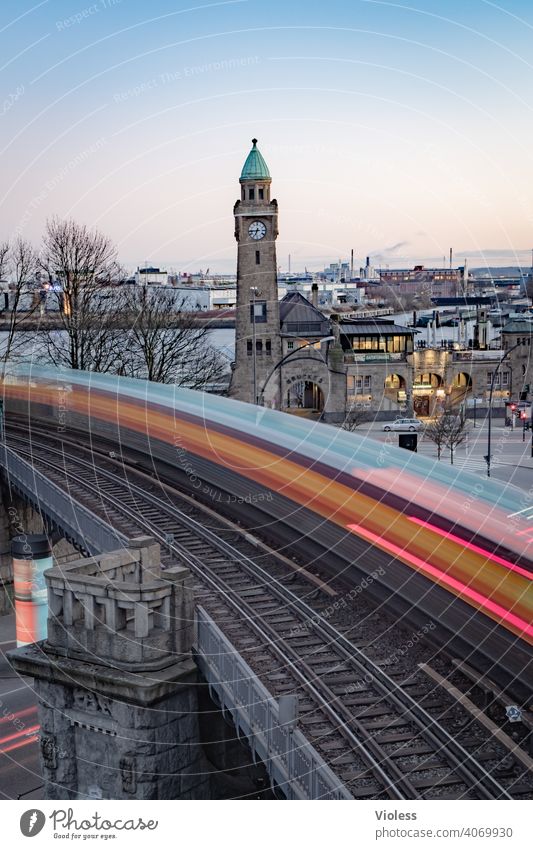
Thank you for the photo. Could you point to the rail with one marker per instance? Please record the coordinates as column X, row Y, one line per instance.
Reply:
column 81, row 526
column 291, row 761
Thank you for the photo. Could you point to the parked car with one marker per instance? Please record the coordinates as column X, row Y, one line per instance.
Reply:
column 403, row 424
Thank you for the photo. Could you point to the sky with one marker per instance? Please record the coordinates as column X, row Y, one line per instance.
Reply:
column 394, row 129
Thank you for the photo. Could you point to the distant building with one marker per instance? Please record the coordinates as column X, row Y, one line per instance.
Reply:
column 149, row 276
column 438, row 282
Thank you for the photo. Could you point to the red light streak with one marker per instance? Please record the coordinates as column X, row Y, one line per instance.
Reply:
column 472, row 547
column 460, row 588
column 12, row 716
column 24, row 732
column 19, row 745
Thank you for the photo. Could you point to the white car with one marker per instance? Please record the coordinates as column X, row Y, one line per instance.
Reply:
column 403, row 424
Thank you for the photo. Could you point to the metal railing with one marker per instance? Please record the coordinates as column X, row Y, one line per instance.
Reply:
column 79, row 524
column 291, row 761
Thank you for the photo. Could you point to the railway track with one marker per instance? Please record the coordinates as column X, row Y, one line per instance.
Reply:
column 371, row 729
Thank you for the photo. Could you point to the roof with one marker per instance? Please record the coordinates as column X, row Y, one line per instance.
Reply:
column 375, row 329
column 295, row 307
column 255, row 167
column 523, row 325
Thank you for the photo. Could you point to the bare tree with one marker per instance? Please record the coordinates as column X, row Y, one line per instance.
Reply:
column 4, row 259
column 456, row 433
column 164, row 341
column 448, row 431
column 84, row 262
column 436, row 432
column 354, row 418
column 19, row 263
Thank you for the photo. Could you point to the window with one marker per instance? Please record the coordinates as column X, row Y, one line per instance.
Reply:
column 489, row 378
column 303, row 327
column 290, row 346
column 505, row 378
column 251, row 194
column 368, row 381
column 260, row 312
column 249, row 349
column 259, row 348
column 258, row 257
column 268, row 348
column 261, row 194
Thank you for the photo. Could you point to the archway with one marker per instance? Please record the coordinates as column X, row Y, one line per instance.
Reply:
column 394, row 390
column 427, row 393
column 305, row 395
column 460, row 389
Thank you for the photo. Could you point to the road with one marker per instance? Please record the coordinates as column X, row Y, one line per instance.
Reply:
column 19, row 752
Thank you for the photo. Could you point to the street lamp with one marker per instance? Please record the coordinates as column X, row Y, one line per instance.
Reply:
column 286, row 357
column 255, row 291
column 487, row 457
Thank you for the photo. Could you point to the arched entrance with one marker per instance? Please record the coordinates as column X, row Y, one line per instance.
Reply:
column 395, row 389
column 305, row 395
column 461, row 388
column 427, row 392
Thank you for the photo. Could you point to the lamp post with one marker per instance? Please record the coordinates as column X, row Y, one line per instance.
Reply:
column 489, row 433
column 286, row 357
column 254, row 291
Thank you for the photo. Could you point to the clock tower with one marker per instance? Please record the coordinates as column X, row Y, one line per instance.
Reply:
column 257, row 333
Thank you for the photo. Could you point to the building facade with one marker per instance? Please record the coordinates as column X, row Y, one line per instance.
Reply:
column 257, row 337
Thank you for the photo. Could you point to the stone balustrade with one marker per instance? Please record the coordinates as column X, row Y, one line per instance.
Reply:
column 121, row 608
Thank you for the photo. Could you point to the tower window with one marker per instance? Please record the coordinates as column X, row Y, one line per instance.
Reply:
column 268, row 347
column 260, row 315
column 243, row 193
column 259, row 348
column 249, row 349
column 251, row 194
column 261, row 194
column 258, row 258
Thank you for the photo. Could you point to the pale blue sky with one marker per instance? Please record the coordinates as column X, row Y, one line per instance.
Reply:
column 384, row 124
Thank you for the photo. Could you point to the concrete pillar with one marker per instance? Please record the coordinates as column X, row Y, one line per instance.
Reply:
column 32, row 555
column 118, row 707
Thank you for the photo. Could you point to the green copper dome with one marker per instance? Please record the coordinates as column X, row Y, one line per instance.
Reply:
column 255, row 167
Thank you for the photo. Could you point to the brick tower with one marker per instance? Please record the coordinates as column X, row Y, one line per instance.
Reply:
column 257, row 336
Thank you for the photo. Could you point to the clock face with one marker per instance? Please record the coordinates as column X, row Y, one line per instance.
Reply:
column 257, row 230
